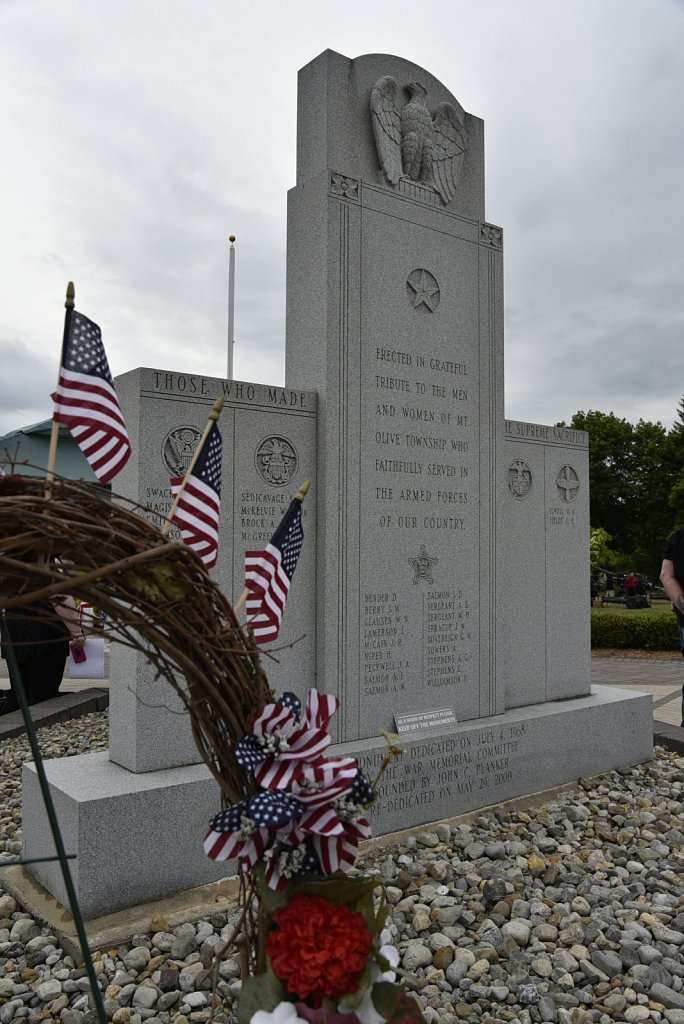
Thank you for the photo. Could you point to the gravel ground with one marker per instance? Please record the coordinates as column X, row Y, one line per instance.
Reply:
column 569, row 913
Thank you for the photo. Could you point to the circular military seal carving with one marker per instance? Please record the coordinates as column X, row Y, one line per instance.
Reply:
column 276, row 460
column 567, row 483
column 519, row 479
column 178, row 448
column 422, row 291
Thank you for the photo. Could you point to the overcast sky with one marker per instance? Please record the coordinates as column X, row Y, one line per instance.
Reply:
column 137, row 135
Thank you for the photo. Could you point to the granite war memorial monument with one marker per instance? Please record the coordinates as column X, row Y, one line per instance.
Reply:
column 444, row 584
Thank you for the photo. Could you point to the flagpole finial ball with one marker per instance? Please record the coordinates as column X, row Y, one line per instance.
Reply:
column 303, row 490
column 231, row 238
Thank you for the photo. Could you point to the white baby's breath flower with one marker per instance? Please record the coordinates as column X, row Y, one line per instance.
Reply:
column 391, row 955
column 284, row 1013
column 365, row 1011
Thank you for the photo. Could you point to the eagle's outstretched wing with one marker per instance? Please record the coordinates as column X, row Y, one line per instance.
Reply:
column 448, row 149
column 387, row 127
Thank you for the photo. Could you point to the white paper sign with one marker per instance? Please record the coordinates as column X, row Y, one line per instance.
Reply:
column 93, row 666
column 433, row 719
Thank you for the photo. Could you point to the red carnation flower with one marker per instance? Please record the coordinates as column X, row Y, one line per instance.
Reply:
column 318, row 950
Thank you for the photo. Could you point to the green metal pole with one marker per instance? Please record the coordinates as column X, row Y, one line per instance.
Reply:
column 18, row 686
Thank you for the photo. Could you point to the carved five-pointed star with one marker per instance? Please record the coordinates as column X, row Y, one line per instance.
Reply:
column 424, row 292
column 422, row 565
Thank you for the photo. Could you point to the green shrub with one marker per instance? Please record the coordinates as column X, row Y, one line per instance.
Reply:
column 652, row 631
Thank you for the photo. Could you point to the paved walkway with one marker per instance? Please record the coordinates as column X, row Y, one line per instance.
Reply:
column 662, row 679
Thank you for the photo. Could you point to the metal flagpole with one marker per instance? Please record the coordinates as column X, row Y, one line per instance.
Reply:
column 231, row 305
column 61, row 855
column 52, row 453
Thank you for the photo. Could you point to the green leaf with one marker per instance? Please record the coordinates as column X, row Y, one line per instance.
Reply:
column 366, row 906
column 259, row 992
column 352, row 1000
column 339, row 888
column 395, row 1005
column 393, row 741
column 270, row 899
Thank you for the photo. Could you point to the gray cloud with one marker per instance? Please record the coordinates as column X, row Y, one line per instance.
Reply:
column 139, row 136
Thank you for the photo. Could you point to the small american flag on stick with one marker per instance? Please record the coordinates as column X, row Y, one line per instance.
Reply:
column 268, row 573
column 85, row 399
column 197, row 506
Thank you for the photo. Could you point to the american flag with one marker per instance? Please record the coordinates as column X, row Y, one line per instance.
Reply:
column 86, row 402
column 268, row 574
column 199, row 507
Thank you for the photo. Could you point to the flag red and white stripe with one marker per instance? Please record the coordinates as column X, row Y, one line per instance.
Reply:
column 198, row 510
column 268, row 575
column 86, row 401
column 340, row 850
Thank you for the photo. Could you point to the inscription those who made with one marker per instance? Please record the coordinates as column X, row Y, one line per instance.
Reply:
column 189, row 384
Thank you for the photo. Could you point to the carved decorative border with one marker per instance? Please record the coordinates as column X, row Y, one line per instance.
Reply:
column 414, row 190
column 491, row 234
column 343, row 461
column 344, row 187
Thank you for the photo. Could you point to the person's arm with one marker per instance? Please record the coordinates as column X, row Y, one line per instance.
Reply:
column 67, row 611
column 671, row 585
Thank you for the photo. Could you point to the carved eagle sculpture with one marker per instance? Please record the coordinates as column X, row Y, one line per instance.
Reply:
column 414, row 143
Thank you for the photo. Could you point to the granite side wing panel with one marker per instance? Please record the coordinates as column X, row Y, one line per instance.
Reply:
column 269, row 449
column 544, row 639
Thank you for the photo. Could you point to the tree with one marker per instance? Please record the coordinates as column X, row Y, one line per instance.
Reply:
column 610, row 441
column 636, row 473
column 600, row 553
column 675, row 457
column 652, row 479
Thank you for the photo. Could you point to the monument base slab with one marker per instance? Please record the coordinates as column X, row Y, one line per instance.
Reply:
column 490, row 760
column 139, row 837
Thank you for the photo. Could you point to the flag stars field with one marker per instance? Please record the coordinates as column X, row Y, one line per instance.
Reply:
column 86, row 401
column 198, row 500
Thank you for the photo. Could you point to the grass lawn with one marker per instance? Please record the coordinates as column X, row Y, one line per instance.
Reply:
column 619, row 609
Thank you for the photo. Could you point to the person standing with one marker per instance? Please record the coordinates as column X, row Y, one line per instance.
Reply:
column 40, row 634
column 672, row 579
column 630, row 584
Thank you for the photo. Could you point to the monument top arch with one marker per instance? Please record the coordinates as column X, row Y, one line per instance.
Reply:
column 339, row 128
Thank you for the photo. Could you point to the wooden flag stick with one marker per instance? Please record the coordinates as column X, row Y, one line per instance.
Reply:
column 54, row 435
column 299, row 496
column 213, row 416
